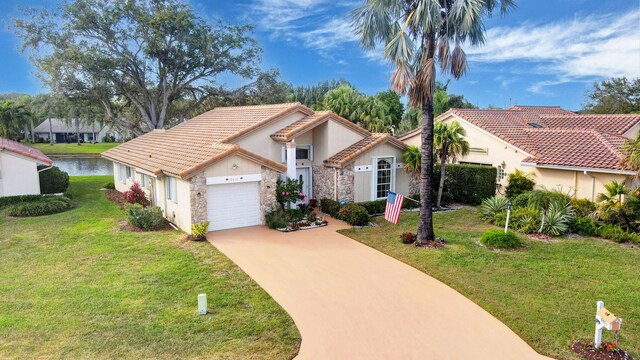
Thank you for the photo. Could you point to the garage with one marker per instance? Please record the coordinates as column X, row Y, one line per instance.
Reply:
column 233, row 205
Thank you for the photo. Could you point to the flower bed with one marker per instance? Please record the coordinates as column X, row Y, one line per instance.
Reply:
column 304, row 225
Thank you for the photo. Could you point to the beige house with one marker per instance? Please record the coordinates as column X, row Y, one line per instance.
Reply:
column 575, row 154
column 222, row 166
column 19, row 168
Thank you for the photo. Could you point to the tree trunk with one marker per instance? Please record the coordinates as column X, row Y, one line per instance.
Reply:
column 544, row 221
column 443, row 169
column 33, row 136
column 425, row 228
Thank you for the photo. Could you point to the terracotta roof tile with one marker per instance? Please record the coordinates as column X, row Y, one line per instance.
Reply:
column 543, row 110
column 616, row 124
column 352, row 152
column 24, row 150
column 577, row 148
column 289, row 132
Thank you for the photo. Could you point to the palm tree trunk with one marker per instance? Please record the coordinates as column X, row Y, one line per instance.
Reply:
column 443, row 169
column 425, row 228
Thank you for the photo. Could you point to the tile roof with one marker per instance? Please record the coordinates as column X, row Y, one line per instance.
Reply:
column 617, row 124
column 196, row 143
column 576, row 148
column 352, row 152
column 307, row 123
column 553, row 138
column 542, row 110
column 24, row 150
column 65, row 126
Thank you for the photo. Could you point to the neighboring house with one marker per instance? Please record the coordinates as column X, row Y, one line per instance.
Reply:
column 19, row 168
column 222, row 166
column 576, row 154
column 66, row 131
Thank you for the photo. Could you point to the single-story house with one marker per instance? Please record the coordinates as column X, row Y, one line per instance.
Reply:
column 222, row 166
column 19, row 168
column 66, row 131
column 572, row 153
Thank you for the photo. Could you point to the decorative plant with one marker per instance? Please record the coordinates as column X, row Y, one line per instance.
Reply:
column 519, row 182
column 408, row 238
column 288, row 191
column 449, row 144
column 494, row 205
column 135, row 195
column 199, row 230
column 559, row 219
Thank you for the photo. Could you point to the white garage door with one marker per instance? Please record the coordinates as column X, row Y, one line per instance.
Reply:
column 233, row 205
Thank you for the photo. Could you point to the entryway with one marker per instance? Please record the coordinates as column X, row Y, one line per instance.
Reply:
column 304, row 175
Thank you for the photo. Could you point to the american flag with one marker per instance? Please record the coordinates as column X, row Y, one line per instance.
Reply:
column 394, row 205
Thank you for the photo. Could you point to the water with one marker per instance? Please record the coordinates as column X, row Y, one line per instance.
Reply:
column 84, row 166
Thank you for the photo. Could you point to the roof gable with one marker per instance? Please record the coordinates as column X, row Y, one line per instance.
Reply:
column 352, row 152
column 24, row 150
column 307, row 123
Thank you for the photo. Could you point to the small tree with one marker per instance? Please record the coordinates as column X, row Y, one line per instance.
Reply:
column 449, row 144
column 611, row 202
column 135, row 195
column 519, row 183
column 289, row 191
column 544, row 200
column 412, row 160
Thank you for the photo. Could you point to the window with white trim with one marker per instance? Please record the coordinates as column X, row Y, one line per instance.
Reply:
column 144, row 180
column 121, row 172
column 129, row 172
column 303, row 152
column 384, row 177
column 171, row 185
column 501, row 173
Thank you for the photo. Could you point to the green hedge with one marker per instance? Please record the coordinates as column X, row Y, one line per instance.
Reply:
column 16, row 199
column 467, row 184
column 329, row 207
column 45, row 206
column 145, row 218
column 497, row 238
column 354, row 214
column 53, row 181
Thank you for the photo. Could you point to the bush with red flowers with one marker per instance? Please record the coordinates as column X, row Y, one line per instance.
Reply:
column 408, row 238
column 288, row 192
column 135, row 195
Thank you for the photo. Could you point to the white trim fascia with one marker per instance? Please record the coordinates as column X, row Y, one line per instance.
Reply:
column 233, row 179
column 24, row 157
column 488, row 133
column 629, row 130
column 578, row 168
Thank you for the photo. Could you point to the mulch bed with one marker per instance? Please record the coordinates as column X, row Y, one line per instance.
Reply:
column 438, row 243
column 115, row 196
column 124, row 226
column 587, row 351
column 542, row 237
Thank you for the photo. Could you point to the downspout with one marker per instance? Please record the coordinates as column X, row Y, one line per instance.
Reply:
column 593, row 185
column 335, row 184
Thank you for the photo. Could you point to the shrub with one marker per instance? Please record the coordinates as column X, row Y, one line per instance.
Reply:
column 374, row 207
column 330, row 207
column 468, row 184
column 110, row 185
column 135, row 195
column 53, row 181
column 525, row 220
column 518, row 183
column 276, row 218
column 44, row 206
column 500, row 219
column 312, row 217
column 583, row 207
column 584, row 226
column 408, row 238
column 354, row 214
column 493, row 205
column 199, row 230
column 16, row 199
column 521, row 200
column 615, row 233
column 288, row 191
column 295, row 215
column 497, row 238
column 145, row 218
column 559, row 218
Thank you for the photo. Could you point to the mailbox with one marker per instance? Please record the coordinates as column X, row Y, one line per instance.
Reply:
column 609, row 320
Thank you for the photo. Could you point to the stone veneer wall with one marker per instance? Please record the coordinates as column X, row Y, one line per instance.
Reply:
column 198, row 190
column 345, row 183
column 323, row 182
column 268, row 191
column 414, row 185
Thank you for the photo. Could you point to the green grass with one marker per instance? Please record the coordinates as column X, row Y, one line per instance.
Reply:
column 545, row 292
column 72, row 285
column 73, row 148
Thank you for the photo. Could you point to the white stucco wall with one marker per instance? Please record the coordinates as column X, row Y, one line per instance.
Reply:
column 363, row 180
column 18, row 175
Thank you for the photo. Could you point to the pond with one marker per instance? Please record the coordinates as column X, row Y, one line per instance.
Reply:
column 82, row 166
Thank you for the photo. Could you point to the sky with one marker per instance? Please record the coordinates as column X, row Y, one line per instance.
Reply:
column 545, row 52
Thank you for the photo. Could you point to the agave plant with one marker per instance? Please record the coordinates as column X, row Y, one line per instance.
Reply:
column 559, row 218
column 493, row 205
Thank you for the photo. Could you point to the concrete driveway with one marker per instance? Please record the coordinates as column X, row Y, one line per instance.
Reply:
column 352, row 302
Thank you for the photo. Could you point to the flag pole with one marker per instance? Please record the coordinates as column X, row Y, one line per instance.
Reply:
column 414, row 200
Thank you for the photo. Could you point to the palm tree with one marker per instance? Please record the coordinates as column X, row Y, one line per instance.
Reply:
column 611, row 202
column 631, row 150
column 544, row 200
column 12, row 118
column 416, row 36
column 412, row 159
column 448, row 139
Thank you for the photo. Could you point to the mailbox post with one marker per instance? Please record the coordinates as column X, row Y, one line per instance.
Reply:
column 605, row 319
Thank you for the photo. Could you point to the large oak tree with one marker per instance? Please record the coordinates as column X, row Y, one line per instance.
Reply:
column 134, row 58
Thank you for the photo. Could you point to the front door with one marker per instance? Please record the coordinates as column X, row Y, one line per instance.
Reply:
column 304, row 175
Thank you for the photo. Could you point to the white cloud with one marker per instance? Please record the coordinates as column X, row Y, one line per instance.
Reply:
column 592, row 47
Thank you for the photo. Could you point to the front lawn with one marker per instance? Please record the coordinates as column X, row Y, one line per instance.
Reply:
column 74, row 148
column 546, row 292
column 72, row 285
